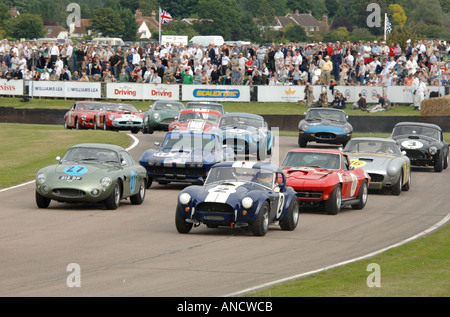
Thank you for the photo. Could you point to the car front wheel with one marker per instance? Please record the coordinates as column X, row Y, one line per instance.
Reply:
column 140, row 196
column 362, row 196
column 41, row 201
column 113, row 200
column 333, row 205
column 290, row 220
column 180, row 222
column 260, row 225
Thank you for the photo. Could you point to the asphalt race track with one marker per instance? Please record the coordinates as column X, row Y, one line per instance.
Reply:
column 137, row 251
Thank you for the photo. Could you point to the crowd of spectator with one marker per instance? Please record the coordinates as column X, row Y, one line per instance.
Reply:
column 369, row 63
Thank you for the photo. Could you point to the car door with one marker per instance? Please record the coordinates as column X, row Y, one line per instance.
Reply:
column 127, row 174
column 347, row 178
column 276, row 196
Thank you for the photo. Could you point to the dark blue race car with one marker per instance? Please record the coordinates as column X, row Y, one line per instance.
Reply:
column 184, row 157
column 239, row 194
column 324, row 125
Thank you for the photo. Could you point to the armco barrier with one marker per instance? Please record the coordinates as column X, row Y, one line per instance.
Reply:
column 379, row 124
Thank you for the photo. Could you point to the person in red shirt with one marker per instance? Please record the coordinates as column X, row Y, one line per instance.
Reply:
column 249, row 67
column 391, row 50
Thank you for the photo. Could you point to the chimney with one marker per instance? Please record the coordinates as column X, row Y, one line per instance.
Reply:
column 310, row 12
column 296, row 11
column 154, row 14
column 138, row 14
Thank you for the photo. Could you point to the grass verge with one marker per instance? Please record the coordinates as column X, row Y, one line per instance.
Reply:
column 420, row 268
column 262, row 108
column 25, row 148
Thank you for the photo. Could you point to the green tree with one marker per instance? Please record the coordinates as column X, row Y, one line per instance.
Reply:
column 107, row 22
column 26, row 25
column 398, row 15
column 131, row 27
column 340, row 34
column 295, row 33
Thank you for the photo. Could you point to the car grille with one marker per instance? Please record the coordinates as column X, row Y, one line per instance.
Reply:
column 214, row 207
column 177, row 170
column 72, row 193
column 325, row 136
column 236, row 143
column 167, row 121
column 309, row 194
column 129, row 122
column 376, row 178
column 415, row 154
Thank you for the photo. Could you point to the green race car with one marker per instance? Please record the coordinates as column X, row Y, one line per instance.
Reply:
column 160, row 115
column 92, row 173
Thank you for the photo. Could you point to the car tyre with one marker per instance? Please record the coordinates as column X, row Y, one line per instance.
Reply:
column 180, row 222
column 113, row 200
column 397, row 188
column 362, row 196
column 140, row 196
column 290, row 220
column 302, row 142
column 260, row 225
column 41, row 201
column 407, row 186
column 439, row 165
column 333, row 205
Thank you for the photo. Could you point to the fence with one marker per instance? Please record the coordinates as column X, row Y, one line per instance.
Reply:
column 217, row 93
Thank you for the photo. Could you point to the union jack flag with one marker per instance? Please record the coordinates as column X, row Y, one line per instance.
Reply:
column 165, row 17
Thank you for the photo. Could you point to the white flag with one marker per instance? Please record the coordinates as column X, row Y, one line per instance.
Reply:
column 388, row 26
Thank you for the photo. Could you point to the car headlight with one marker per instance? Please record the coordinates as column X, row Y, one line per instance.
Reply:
column 346, row 130
column 83, row 117
column 105, row 181
column 156, row 116
column 256, row 137
column 185, row 198
column 40, row 178
column 247, row 202
column 111, row 117
column 432, row 150
column 175, row 127
column 304, row 127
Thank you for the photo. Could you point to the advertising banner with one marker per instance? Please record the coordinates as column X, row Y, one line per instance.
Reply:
column 215, row 93
column 75, row 89
column 125, row 91
column 161, row 92
column 282, row 93
column 48, row 89
column 11, row 87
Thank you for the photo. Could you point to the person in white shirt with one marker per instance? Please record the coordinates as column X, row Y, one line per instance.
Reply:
column 419, row 90
column 58, row 65
column 45, row 75
column 411, row 65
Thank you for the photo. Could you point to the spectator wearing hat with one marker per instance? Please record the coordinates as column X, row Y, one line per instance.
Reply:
column 326, row 69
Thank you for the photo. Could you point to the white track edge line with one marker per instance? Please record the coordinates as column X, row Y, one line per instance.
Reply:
column 423, row 233
column 135, row 143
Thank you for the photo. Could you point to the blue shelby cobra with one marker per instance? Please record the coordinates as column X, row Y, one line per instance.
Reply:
column 184, row 157
column 246, row 134
column 239, row 194
column 324, row 125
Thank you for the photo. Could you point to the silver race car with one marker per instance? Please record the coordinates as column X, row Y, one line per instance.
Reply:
column 382, row 159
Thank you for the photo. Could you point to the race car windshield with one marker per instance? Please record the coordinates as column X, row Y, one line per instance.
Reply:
column 203, row 106
column 89, row 106
column 369, row 146
column 91, row 154
column 238, row 174
column 167, row 106
column 323, row 114
column 329, row 161
column 185, row 116
column 115, row 107
column 417, row 130
column 241, row 121
column 188, row 142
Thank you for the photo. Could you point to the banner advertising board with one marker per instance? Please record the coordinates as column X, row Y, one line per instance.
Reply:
column 215, row 93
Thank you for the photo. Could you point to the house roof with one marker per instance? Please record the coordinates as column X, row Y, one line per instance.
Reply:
column 84, row 23
column 151, row 22
column 302, row 19
column 54, row 30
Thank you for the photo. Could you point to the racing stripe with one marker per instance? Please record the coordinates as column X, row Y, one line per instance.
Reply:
column 220, row 193
column 243, row 164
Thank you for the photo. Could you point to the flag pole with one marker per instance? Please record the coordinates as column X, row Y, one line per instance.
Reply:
column 385, row 19
column 159, row 25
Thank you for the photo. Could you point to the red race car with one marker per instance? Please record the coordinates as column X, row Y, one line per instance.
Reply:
column 196, row 120
column 81, row 114
column 119, row 117
column 326, row 178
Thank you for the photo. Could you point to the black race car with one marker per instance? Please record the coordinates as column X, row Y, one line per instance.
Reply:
column 423, row 143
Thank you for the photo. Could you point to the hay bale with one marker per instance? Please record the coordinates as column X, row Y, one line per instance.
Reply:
column 439, row 106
